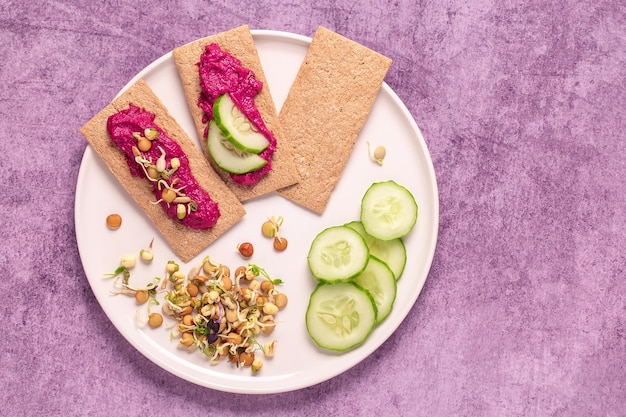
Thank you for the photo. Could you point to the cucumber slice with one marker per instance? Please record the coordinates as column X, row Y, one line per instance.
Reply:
column 391, row 252
column 337, row 254
column 227, row 157
column 340, row 316
column 380, row 282
column 236, row 126
column 388, row 210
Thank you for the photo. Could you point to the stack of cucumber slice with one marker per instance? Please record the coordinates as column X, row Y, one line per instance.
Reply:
column 233, row 141
column 357, row 266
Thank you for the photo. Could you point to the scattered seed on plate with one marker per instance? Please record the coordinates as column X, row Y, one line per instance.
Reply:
column 114, row 221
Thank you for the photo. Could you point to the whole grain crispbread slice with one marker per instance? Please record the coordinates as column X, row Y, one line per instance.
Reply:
column 239, row 43
column 185, row 241
column 325, row 110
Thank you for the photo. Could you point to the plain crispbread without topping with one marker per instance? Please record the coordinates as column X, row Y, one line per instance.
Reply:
column 185, row 241
column 239, row 43
column 325, row 110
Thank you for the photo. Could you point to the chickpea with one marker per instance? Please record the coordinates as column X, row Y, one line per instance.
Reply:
column 168, row 195
column 114, row 221
column 234, row 338
column 146, row 255
column 231, row 316
column 171, row 267
column 246, row 358
column 167, row 310
column 155, row 320
column 379, row 154
column 208, row 310
column 267, row 286
column 270, row 308
column 227, row 283
column 192, row 289
column 200, row 278
column 128, row 261
column 246, row 294
column 151, row 133
column 152, row 173
column 245, row 332
column 181, row 211
column 257, row 364
column 261, row 300
column 280, row 243
column 280, row 300
column 222, row 350
column 214, row 296
column 186, row 339
column 240, row 272
column 268, row 326
column 188, row 320
column 269, row 229
column 246, row 250
column 209, row 268
column 141, row 296
column 185, row 311
column 144, row 145
column 224, row 270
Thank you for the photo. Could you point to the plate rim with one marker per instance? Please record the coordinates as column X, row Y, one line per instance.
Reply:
column 308, row 382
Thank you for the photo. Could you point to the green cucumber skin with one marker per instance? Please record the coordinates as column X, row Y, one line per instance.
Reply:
column 329, row 346
column 369, row 219
column 224, row 126
column 398, row 267
column 312, row 257
column 391, row 277
column 226, row 159
column 377, row 263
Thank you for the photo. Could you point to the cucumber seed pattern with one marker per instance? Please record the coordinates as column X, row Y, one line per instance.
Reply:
column 388, row 210
column 337, row 254
column 339, row 315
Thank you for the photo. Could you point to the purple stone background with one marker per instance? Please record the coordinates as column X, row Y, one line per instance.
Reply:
column 523, row 107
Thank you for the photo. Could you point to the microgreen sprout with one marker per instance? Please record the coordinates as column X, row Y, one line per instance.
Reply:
column 117, row 271
column 257, row 270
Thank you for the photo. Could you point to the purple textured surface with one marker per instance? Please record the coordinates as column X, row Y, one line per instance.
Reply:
column 523, row 107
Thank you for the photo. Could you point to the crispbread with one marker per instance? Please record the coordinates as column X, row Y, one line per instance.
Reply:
column 239, row 43
column 185, row 241
column 325, row 110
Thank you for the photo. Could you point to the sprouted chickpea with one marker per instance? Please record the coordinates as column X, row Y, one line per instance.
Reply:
column 128, row 261
column 378, row 155
column 271, row 226
column 146, row 254
column 280, row 243
column 269, row 348
column 219, row 315
column 141, row 296
column 155, row 320
column 257, row 364
column 228, row 315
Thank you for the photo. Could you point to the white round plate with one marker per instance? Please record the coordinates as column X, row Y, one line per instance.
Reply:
column 298, row 362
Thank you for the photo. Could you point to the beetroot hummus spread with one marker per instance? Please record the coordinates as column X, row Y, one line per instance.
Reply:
column 222, row 73
column 151, row 154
